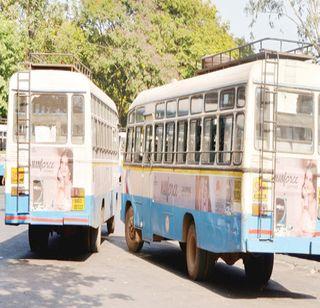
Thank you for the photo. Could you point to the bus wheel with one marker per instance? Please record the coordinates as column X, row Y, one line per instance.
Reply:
column 110, row 225
column 183, row 246
column 197, row 259
column 38, row 238
column 258, row 268
column 133, row 236
column 95, row 234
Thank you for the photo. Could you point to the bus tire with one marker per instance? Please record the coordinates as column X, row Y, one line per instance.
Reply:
column 133, row 236
column 196, row 258
column 38, row 238
column 95, row 234
column 258, row 268
column 183, row 246
column 110, row 225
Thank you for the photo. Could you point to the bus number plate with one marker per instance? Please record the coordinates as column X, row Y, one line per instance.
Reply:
column 17, row 177
column 78, row 204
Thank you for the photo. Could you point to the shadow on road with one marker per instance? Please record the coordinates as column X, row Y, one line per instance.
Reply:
column 225, row 280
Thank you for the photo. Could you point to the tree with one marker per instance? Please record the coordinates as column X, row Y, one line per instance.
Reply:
column 304, row 14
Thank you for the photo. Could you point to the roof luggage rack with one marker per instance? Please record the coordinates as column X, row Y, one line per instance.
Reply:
column 258, row 50
column 58, row 61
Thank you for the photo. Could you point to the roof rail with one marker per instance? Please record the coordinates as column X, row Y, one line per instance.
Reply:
column 58, row 61
column 257, row 50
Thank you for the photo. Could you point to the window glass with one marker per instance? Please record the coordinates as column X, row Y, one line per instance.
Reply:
column 148, row 143
column 241, row 97
column 209, row 140
column 20, row 108
column 169, row 143
column 225, row 138
column 194, row 141
column 158, row 143
column 211, row 101
column 131, row 117
column 238, row 139
column 77, row 119
column 227, row 98
column 129, row 144
column 138, row 144
column 49, row 118
column 183, row 107
column 160, row 111
column 196, row 104
column 182, row 142
column 140, row 115
column 171, row 109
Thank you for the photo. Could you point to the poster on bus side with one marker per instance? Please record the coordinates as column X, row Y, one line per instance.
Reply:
column 51, row 178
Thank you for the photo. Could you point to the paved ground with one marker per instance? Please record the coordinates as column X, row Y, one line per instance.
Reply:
column 154, row 278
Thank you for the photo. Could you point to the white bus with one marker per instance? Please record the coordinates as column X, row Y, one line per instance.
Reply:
column 226, row 163
column 62, row 154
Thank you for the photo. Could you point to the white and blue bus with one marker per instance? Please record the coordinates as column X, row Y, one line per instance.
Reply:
column 226, row 163
column 62, row 155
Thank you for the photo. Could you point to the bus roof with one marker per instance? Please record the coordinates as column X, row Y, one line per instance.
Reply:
column 46, row 81
column 229, row 77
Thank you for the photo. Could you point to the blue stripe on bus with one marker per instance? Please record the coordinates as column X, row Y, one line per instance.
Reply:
column 2, row 169
column 215, row 232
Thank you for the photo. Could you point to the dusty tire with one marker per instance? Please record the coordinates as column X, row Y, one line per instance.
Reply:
column 110, row 225
column 183, row 246
column 197, row 259
column 38, row 238
column 133, row 236
column 258, row 268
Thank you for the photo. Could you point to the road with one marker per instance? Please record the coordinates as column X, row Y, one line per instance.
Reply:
column 155, row 277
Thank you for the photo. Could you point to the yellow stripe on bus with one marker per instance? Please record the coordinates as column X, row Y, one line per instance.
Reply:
column 185, row 171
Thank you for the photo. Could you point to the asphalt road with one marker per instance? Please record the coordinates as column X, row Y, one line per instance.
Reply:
column 156, row 277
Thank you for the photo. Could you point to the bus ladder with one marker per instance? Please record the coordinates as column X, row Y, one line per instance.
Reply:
column 268, row 149
column 23, row 135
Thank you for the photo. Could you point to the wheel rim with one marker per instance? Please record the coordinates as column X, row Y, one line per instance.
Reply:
column 131, row 229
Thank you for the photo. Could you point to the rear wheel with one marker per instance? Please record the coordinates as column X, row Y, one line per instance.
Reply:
column 38, row 238
column 133, row 236
column 197, row 259
column 258, row 268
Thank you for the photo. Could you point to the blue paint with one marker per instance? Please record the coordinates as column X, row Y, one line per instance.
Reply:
column 2, row 169
column 215, row 232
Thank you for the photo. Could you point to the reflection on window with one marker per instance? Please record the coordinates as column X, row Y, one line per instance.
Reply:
column 131, row 117
column 241, row 97
column 182, row 142
column 196, row 104
column 238, row 139
column 140, row 115
column 158, row 143
column 138, row 144
column 160, row 111
column 211, row 101
column 227, row 98
column 194, row 141
column 148, row 143
column 171, row 109
column 49, row 118
column 209, row 140
column 183, row 107
column 225, row 139
column 169, row 144
column 77, row 119
column 129, row 144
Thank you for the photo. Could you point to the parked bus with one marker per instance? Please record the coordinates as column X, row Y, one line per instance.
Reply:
column 3, row 143
column 62, row 153
column 226, row 162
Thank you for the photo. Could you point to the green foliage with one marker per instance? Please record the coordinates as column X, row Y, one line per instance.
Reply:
column 130, row 45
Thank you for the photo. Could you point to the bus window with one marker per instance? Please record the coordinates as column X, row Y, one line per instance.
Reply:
column 140, row 115
column 225, row 138
column 160, row 111
column 138, row 144
column 238, row 139
column 227, row 98
column 22, row 128
column 169, row 143
column 148, row 143
column 209, row 140
column 183, row 107
column 77, row 119
column 49, row 118
column 194, row 141
column 211, row 101
column 196, row 104
column 129, row 144
column 241, row 97
column 158, row 143
column 182, row 142
column 131, row 117
column 171, row 109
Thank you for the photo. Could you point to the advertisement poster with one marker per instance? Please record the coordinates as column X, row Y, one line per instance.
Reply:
column 296, row 197
column 51, row 179
column 206, row 193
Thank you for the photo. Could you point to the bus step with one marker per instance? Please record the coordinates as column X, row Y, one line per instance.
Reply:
column 267, row 180
column 24, row 80
column 23, row 120
column 23, row 166
column 270, row 122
